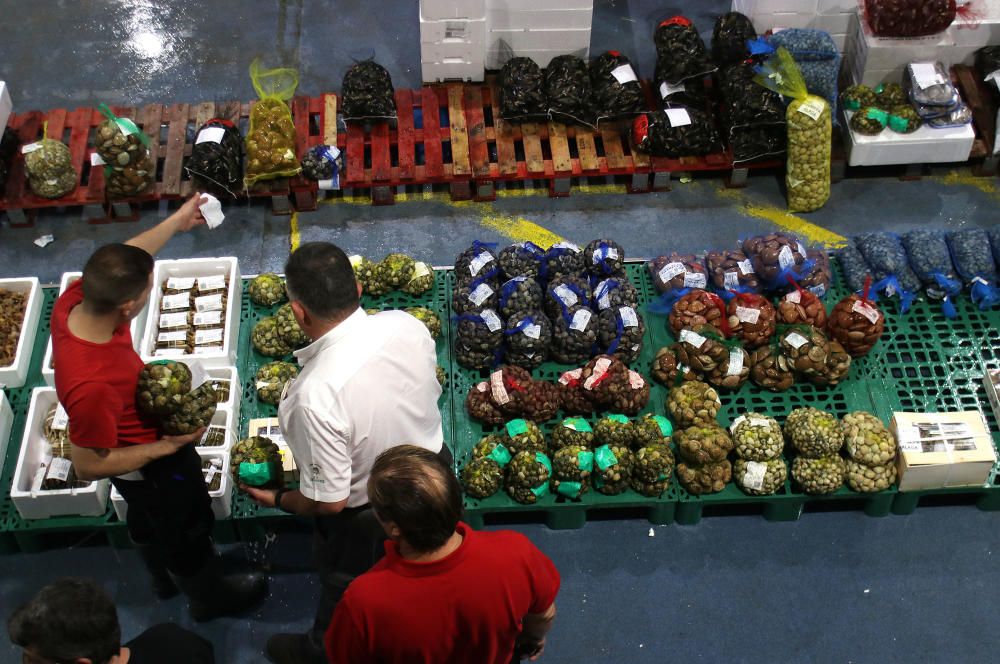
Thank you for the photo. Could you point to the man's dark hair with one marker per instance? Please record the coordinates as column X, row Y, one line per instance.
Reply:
column 67, row 620
column 320, row 276
column 115, row 274
column 413, row 488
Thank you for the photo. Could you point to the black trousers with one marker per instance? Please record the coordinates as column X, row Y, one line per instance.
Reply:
column 171, row 510
column 345, row 546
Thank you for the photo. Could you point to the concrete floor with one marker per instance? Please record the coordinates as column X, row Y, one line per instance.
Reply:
column 837, row 587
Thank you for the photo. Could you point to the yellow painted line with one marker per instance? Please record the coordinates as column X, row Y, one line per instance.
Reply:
column 294, row 239
column 965, row 177
column 784, row 219
column 520, row 229
column 445, row 197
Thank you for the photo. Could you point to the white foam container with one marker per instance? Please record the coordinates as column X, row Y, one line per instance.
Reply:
column 459, row 29
column 436, row 10
column 496, row 57
column 222, row 498
column 6, row 423
column 6, row 105
column 15, row 374
column 539, row 19
column 924, row 146
column 91, row 500
column 564, row 41
column 48, row 372
column 452, row 69
column 235, row 392
column 196, row 267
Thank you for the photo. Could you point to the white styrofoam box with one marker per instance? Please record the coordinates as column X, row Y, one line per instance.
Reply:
column 540, row 19
column 48, row 373
column 196, row 267
column 783, row 20
column 752, row 7
column 866, row 51
column 566, row 41
column 526, row 5
column 235, row 389
column 16, row 373
column 452, row 49
column 223, row 418
column 925, row 145
column 833, row 23
column 442, row 9
column 6, row 423
column 6, row 106
column 984, row 29
column 222, row 498
column 840, row 40
column 496, row 58
column 836, row 6
column 453, row 69
column 91, row 500
column 468, row 30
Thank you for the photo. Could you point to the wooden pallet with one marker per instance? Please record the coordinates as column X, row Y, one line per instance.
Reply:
column 982, row 101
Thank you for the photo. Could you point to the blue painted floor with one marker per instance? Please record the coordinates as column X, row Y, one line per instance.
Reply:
column 832, row 587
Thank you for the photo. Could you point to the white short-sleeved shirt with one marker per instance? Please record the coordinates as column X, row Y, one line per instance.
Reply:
column 365, row 386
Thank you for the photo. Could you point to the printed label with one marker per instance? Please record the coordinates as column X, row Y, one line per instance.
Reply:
column 570, row 376
column 491, row 319
column 213, row 283
column 624, row 74
column 168, row 337
column 694, row 280
column 577, row 424
column 678, row 117
column 600, row 368
column 180, row 283
column 795, row 297
column 735, row 362
column 785, row 258
column 533, row 331
column 479, row 262
column 604, row 302
column 172, row 321
column 760, row 423
column 802, row 250
column 796, row 340
column 604, row 253
column 30, row 147
column 747, row 315
column 59, row 469
column 500, row 395
column 198, row 374
column 746, row 267
column 668, row 89
column 208, row 303
column 175, row 302
column 812, row 107
column 731, row 279
column 635, row 381
column 693, row 338
column 580, row 320
column 60, row 420
column 628, row 316
column 925, row 74
column 483, row 386
column 210, row 135
column 866, row 310
column 96, row 159
column 567, row 245
column 480, row 294
column 738, row 421
column 420, row 270
column 169, row 352
column 754, row 477
column 671, row 270
column 565, row 294
column 208, row 318
column 202, row 337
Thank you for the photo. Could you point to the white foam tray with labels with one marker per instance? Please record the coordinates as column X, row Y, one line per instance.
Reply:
column 16, row 373
column 90, row 500
column 196, row 267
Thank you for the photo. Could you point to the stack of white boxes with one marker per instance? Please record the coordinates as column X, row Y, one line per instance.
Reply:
column 537, row 29
column 5, row 105
column 833, row 16
column 984, row 30
column 452, row 39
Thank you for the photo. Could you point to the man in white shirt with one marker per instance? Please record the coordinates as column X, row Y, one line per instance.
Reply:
column 367, row 383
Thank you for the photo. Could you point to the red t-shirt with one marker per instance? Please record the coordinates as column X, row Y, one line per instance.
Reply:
column 466, row 607
column 96, row 382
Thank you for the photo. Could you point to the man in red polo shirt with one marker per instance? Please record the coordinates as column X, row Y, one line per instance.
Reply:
column 96, row 372
column 443, row 592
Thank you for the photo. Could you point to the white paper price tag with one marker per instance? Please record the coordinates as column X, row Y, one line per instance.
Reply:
column 480, row 294
column 491, row 319
column 731, row 279
column 694, row 280
column 747, row 315
column 635, row 381
column 96, row 159
column 796, row 340
column 813, row 107
column 693, row 338
column 479, row 262
column 580, row 320
column 420, row 269
column 735, row 362
column 175, row 302
column 59, row 469
column 624, row 74
column 760, row 423
column 198, row 374
column 169, row 352
column 785, row 257
column 628, row 316
column 925, row 74
column 355, row 260
column 180, row 283
column 208, row 319
column 208, row 303
column 802, row 250
column 600, row 368
column 533, row 331
column 173, row 321
column 170, row 337
column 210, row 135
column 795, row 297
column 213, row 283
column 671, row 270
column 203, row 337
column 499, row 390
column 866, row 310
column 565, row 294
column 668, row 89
column 604, row 253
column 754, row 477
column 570, row 376
column 61, row 418
column 746, row 267
column 678, row 117
column 30, row 147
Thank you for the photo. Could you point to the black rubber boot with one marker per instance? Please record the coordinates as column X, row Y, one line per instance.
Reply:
column 212, row 595
column 163, row 585
column 294, row 649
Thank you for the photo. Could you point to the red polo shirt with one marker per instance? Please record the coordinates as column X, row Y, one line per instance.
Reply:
column 96, row 382
column 466, row 607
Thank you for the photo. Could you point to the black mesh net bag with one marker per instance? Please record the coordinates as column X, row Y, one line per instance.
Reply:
column 8, row 147
column 692, row 93
column 615, row 86
column 729, row 39
column 216, row 163
column 367, row 92
column 522, row 90
column 753, row 115
column 675, row 132
column 567, row 86
column 680, row 52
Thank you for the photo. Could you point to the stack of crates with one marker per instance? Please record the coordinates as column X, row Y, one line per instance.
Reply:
column 452, row 40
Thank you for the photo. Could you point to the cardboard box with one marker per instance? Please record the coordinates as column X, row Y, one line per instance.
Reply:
column 942, row 450
column 269, row 427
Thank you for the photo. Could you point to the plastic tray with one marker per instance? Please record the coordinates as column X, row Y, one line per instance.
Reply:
column 16, row 374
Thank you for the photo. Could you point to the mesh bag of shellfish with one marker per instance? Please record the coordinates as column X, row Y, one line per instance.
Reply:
column 271, row 139
column 885, row 255
column 973, row 258
column 522, row 259
column 731, row 271
column 853, row 266
column 49, row 167
column 675, row 132
column 909, row 18
column 216, row 163
column 730, row 35
column 753, row 115
column 615, row 86
column 817, row 56
column 567, row 88
column 478, row 262
column 929, row 257
column 680, row 51
column 522, row 91
column 675, row 274
column 128, row 169
column 778, row 259
column 367, row 92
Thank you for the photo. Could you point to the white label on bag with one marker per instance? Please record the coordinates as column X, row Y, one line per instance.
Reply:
column 202, row 337
column 420, row 270
column 565, row 294
column 167, row 337
column 96, row 159
column 678, row 117
column 355, row 260
column 180, row 283
column 198, row 374
column 491, row 319
column 671, row 270
column 668, row 89
column 812, row 107
column 208, row 303
column 785, row 257
column 925, row 74
column 570, row 375
column 738, row 421
column 533, row 331
column 624, row 74
column 628, row 316
column 693, row 338
column 605, row 253
column 795, row 297
column 600, row 368
column 746, row 267
column 760, row 423
column 580, row 320
column 30, row 147
column 210, row 135
column 754, row 477
column 802, row 250
column 172, row 321
column 731, row 279
column 175, row 302
column 483, row 386
column 694, row 280
column 747, row 315
column 61, row 418
column 479, row 262
column 480, row 294
column 208, row 318
column 604, row 301
column 796, row 340
column 170, row 352
column 215, row 282
column 735, row 362
column 499, row 390
column 866, row 310
column 59, row 469
column 567, row 245
column 635, row 381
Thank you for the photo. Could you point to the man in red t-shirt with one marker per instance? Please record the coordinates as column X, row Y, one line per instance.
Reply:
column 443, row 592
column 96, row 372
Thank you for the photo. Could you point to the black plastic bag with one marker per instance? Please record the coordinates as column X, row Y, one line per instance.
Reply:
column 216, row 163
column 615, row 86
column 367, row 92
column 680, row 52
column 987, row 61
column 729, row 39
column 522, row 90
column 8, row 147
column 567, row 87
column 675, row 132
